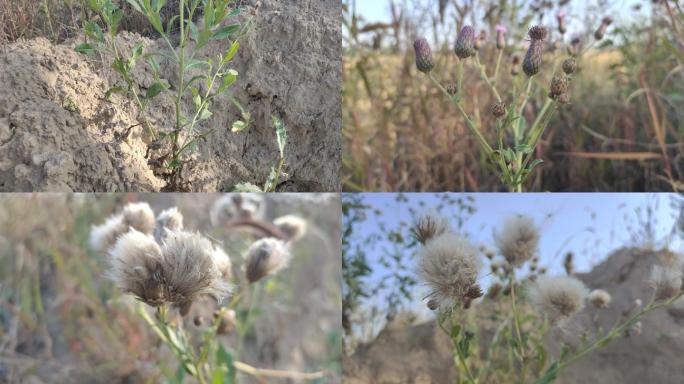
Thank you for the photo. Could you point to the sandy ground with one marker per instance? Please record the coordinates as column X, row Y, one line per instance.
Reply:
column 422, row 353
column 58, row 133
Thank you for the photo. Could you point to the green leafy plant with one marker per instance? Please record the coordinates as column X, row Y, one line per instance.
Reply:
column 215, row 78
column 276, row 170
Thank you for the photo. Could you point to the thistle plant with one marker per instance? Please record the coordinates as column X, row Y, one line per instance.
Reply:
column 198, row 80
column 521, row 311
column 512, row 152
column 171, row 270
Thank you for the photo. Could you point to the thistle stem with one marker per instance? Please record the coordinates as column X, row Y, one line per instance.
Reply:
column 483, row 75
column 498, row 66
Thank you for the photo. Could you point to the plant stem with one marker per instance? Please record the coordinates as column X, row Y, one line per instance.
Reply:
column 260, row 372
column 498, row 66
column 483, row 75
column 516, row 322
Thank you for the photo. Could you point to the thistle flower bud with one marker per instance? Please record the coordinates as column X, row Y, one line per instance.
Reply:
column 599, row 298
column 432, row 304
column 498, row 109
column 533, row 58
column 562, row 27
column 569, row 65
column 474, row 291
column 465, row 43
column 424, row 61
column 266, row 257
column 501, row 36
column 634, row 330
column 537, row 33
column 562, row 99
column 451, row 89
column 601, row 31
column 568, row 263
column 559, row 85
column 575, row 46
column 494, row 290
column 515, row 65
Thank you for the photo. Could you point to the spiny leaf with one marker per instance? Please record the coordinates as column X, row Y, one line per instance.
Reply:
column 281, row 135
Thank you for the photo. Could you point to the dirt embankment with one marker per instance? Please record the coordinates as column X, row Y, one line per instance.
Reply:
column 422, row 353
column 58, row 133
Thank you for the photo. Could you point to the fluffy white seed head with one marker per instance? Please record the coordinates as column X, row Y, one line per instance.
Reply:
column 599, row 298
column 450, row 266
column 266, row 257
column 294, row 227
column 136, row 267
column 519, row 240
column 223, row 262
column 168, row 220
column 429, row 226
column 666, row 281
column 558, row 297
column 236, row 206
column 139, row 216
column 189, row 269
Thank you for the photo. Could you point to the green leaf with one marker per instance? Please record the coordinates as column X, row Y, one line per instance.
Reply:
column 205, row 114
column 230, row 53
column 238, row 126
column 116, row 18
column 225, row 32
column 136, row 5
column 154, row 64
column 225, row 360
column 281, row 135
column 154, row 89
column 120, row 67
column 94, row 31
column 180, row 374
column 246, row 187
column 175, row 164
column 271, row 180
column 228, row 80
column 84, row 48
column 195, row 63
column 550, row 375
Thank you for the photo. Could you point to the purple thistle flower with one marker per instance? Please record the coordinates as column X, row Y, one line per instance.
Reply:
column 501, row 36
column 465, row 43
column 424, row 61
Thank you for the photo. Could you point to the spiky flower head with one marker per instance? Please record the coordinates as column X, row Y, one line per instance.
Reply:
column 559, row 298
column 559, row 85
column 666, row 281
column 465, row 43
column 168, row 220
column 266, row 257
column 480, row 40
column 501, row 36
column 599, row 298
column 424, row 61
column 429, row 226
column 569, row 65
column 601, row 31
column 450, row 265
column 518, row 241
column 498, row 109
column 138, row 216
column 294, row 227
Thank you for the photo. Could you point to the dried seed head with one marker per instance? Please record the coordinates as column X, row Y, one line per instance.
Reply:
column 498, row 109
column 429, row 226
column 189, row 271
column 569, row 66
column 537, row 33
column 500, row 36
column 138, row 216
column 223, row 263
column 237, row 206
column 424, row 61
column 450, row 265
column 266, row 257
column 294, row 227
column 559, row 85
column 518, row 241
column 136, row 267
column 533, row 58
column 634, row 330
column 465, row 43
column 168, row 220
column 599, row 298
column 227, row 321
column 474, row 292
column 558, row 297
column 666, row 281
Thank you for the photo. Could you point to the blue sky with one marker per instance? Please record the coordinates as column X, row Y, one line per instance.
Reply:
column 587, row 224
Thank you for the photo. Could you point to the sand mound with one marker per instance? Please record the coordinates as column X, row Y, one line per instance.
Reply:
column 422, row 353
column 58, row 133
